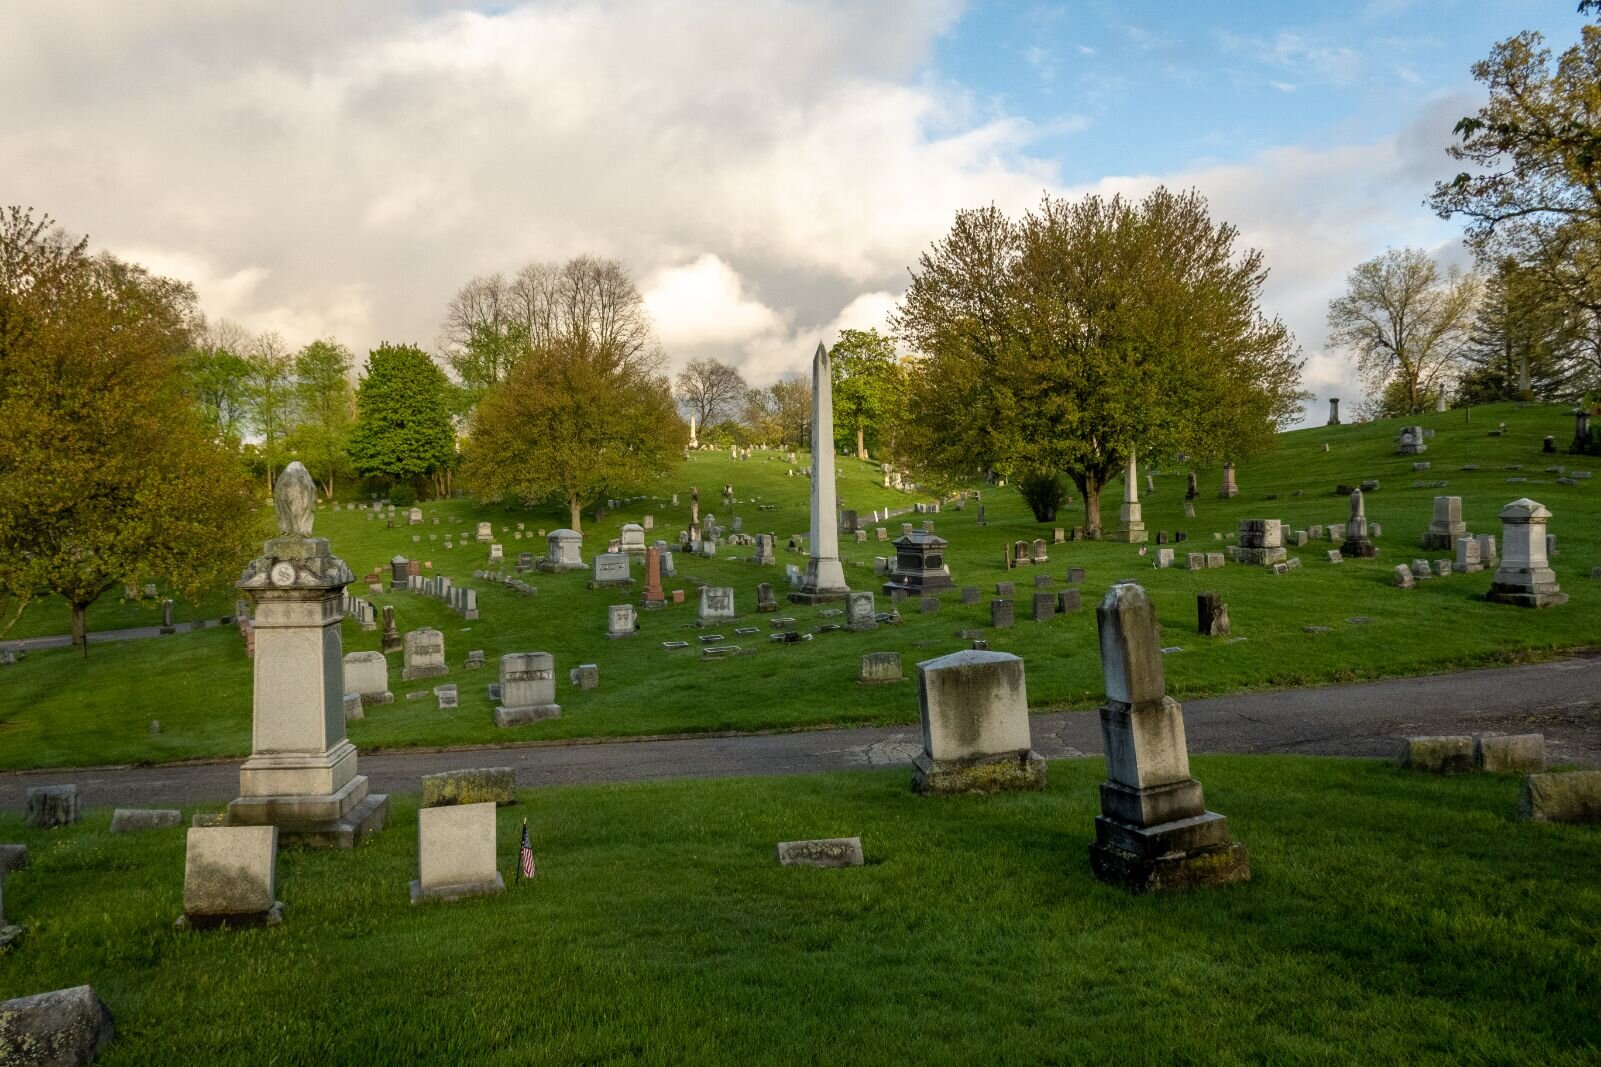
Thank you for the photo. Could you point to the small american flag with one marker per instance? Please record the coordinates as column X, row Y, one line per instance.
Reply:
column 525, row 856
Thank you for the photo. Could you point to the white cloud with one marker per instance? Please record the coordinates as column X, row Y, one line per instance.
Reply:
column 704, row 304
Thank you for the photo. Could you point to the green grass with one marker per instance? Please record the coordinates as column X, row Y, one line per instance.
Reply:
column 57, row 709
column 1390, row 918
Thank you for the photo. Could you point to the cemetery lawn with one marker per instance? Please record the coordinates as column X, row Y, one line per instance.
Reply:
column 1390, row 918
column 58, row 709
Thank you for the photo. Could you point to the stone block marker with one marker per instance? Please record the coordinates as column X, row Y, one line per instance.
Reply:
column 133, row 820
column 1437, row 755
column 67, row 1026
column 456, row 853
column 1515, row 754
column 494, row 785
column 826, row 852
column 1001, row 614
column 13, row 858
column 353, row 707
column 1571, row 797
column 527, row 689
column 230, row 875
column 1044, row 607
column 51, row 806
column 974, row 708
column 425, row 655
column 585, row 675
column 1154, row 832
column 879, row 668
column 1524, row 576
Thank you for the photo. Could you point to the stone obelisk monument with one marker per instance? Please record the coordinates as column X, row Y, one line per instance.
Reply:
column 301, row 775
column 1130, row 526
column 825, row 578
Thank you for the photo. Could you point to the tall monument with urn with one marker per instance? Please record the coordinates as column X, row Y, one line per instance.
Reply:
column 301, row 775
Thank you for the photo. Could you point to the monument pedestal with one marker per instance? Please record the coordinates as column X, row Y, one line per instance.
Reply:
column 824, row 583
column 1014, row 772
column 301, row 775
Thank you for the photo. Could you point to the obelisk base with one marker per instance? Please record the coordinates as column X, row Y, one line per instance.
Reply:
column 824, row 583
column 1182, row 854
column 339, row 820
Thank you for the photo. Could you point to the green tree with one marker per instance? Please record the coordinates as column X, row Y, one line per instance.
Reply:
column 218, row 374
column 573, row 423
column 1085, row 331
column 1523, row 345
column 403, row 429
column 868, row 389
column 324, row 406
column 272, row 398
column 108, row 473
column 710, row 391
column 1408, row 324
column 1533, row 193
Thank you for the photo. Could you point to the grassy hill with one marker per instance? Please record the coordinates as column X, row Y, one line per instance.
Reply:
column 57, row 709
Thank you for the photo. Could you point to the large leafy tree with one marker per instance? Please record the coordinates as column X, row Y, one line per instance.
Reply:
column 324, row 406
column 272, row 398
column 403, row 428
column 574, row 422
column 218, row 372
column 782, row 412
column 1523, row 344
column 1408, row 324
column 1533, row 190
column 108, row 473
column 868, row 389
column 710, row 391
column 1086, row 331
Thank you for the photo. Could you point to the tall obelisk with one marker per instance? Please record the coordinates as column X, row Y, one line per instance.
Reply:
column 825, row 578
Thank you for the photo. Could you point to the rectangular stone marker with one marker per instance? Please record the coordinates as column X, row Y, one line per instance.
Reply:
column 446, row 695
column 974, row 709
column 456, row 853
column 495, row 785
column 1044, row 607
column 610, row 570
column 716, row 605
column 585, row 676
column 367, row 674
column 827, row 852
column 1075, row 575
column 1154, row 832
column 425, row 655
column 1005, row 589
column 1437, row 755
column 1515, row 754
column 1068, row 601
column 50, row 806
column 621, row 621
column 1573, row 796
column 861, row 611
column 230, row 875
column 928, row 604
column 1001, row 614
column 133, row 820
column 527, row 689
column 880, row 667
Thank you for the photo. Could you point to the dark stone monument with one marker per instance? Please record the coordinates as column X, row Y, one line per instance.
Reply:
column 919, row 565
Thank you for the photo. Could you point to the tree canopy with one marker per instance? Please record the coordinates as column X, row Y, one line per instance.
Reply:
column 403, row 429
column 710, row 391
column 324, row 410
column 108, row 474
column 869, row 389
column 574, row 422
column 1066, row 340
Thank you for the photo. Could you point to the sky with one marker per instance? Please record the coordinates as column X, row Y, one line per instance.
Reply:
column 767, row 171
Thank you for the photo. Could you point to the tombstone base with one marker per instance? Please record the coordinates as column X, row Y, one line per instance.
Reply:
column 492, row 887
column 271, row 917
column 818, row 596
column 1223, row 864
column 620, row 583
column 411, row 674
column 522, row 716
column 548, row 567
column 1014, row 772
column 1359, row 549
column 1130, row 534
column 619, row 637
column 369, row 699
column 338, row 821
column 1526, row 598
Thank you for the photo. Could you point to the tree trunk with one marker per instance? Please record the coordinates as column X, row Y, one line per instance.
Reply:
column 80, row 627
column 861, row 449
column 1090, row 486
column 575, row 508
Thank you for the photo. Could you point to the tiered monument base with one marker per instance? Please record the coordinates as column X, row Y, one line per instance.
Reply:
column 339, row 819
column 1182, row 854
column 1011, row 772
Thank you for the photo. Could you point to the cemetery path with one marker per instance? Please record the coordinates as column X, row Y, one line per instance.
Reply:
column 1561, row 699
column 100, row 637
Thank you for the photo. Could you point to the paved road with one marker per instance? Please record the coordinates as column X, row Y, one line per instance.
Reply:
column 100, row 637
column 1561, row 700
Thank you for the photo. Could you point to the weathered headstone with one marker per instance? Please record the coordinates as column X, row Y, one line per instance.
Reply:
column 584, row 676
column 1447, row 525
column 230, row 875
column 62, row 1028
column 861, row 613
column 1573, row 796
column 527, row 689
column 919, row 565
column 1211, row 615
column 716, row 605
column 878, row 668
column 50, row 806
column 1357, row 544
column 1230, row 487
column 611, row 571
column 456, row 853
column 827, row 852
column 621, row 621
column 1044, row 607
column 1437, row 755
column 367, row 674
column 974, row 708
column 1510, row 754
column 425, row 655
column 1154, row 831
column 1001, row 614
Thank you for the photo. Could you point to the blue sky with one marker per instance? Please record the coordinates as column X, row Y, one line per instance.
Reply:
column 767, row 170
